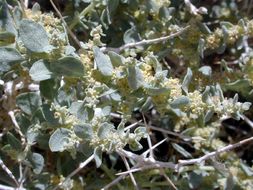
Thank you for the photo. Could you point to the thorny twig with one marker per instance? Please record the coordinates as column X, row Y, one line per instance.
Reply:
column 151, row 154
column 213, row 154
column 131, row 175
column 168, row 179
column 6, row 169
column 148, row 163
column 80, row 167
column 145, row 42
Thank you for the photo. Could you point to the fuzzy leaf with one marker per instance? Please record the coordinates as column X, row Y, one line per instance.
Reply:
column 116, row 59
column 59, row 139
column 37, row 162
column 28, row 102
column 135, row 78
column 34, row 36
column 9, row 55
column 181, row 150
column 187, row 80
column 84, row 131
column 98, row 157
column 206, row 70
column 181, row 101
column 103, row 62
column 104, row 130
column 40, row 71
column 14, row 142
column 68, row 66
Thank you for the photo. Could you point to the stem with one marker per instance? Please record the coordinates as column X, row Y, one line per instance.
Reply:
column 145, row 42
column 81, row 166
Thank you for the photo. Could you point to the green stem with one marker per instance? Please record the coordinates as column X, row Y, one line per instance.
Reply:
column 82, row 14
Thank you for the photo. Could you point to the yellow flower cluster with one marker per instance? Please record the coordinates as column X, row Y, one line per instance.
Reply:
column 213, row 40
column 196, row 106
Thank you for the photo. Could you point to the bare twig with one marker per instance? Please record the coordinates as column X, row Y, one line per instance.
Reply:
column 214, row 153
column 132, row 125
column 148, row 139
column 186, row 138
column 131, row 175
column 146, row 42
column 4, row 167
column 81, row 166
column 16, row 127
column 115, row 181
column 247, row 120
column 168, row 179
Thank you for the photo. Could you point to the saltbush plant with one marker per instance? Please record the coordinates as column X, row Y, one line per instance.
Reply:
column 125, row 94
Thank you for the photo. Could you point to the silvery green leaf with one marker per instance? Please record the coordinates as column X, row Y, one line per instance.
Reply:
column 14, row 142
column 34, row 36
column 179, row 102
column 103, row 62
column 230, row 182
column 246, row 105
column 115, row 96
column 187, row 80
column 178, row 112
column 153, row 91
column 226, row 24
column 36, row 8
column 49, row 88
column 135, row 78
column 131, row 35
column 141, row 131
column 247, row 170
column 37, row 162
column 201, row 47
column 59, row 139
column 204, row 28
column 219, row 91
column 181, row 150
column 235, row 99
column 40, row 70
column 104, row 130
column 6, row 21
column 98, row 157
column 135, row 145
column 84, row 131
column 147, row 105
column 208, row 116
column 70, row 50
column 9, row 55
column 29, row 102
column 206, row 70
column 68, row 66
column 116, row 59
column 112, row 6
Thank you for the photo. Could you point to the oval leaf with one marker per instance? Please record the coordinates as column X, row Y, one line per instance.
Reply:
column 40, row 71
column 29, row 102
column 59, row 139
column 103, row 62
column 34, row 36
column 9, row 55
column 68, row 66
